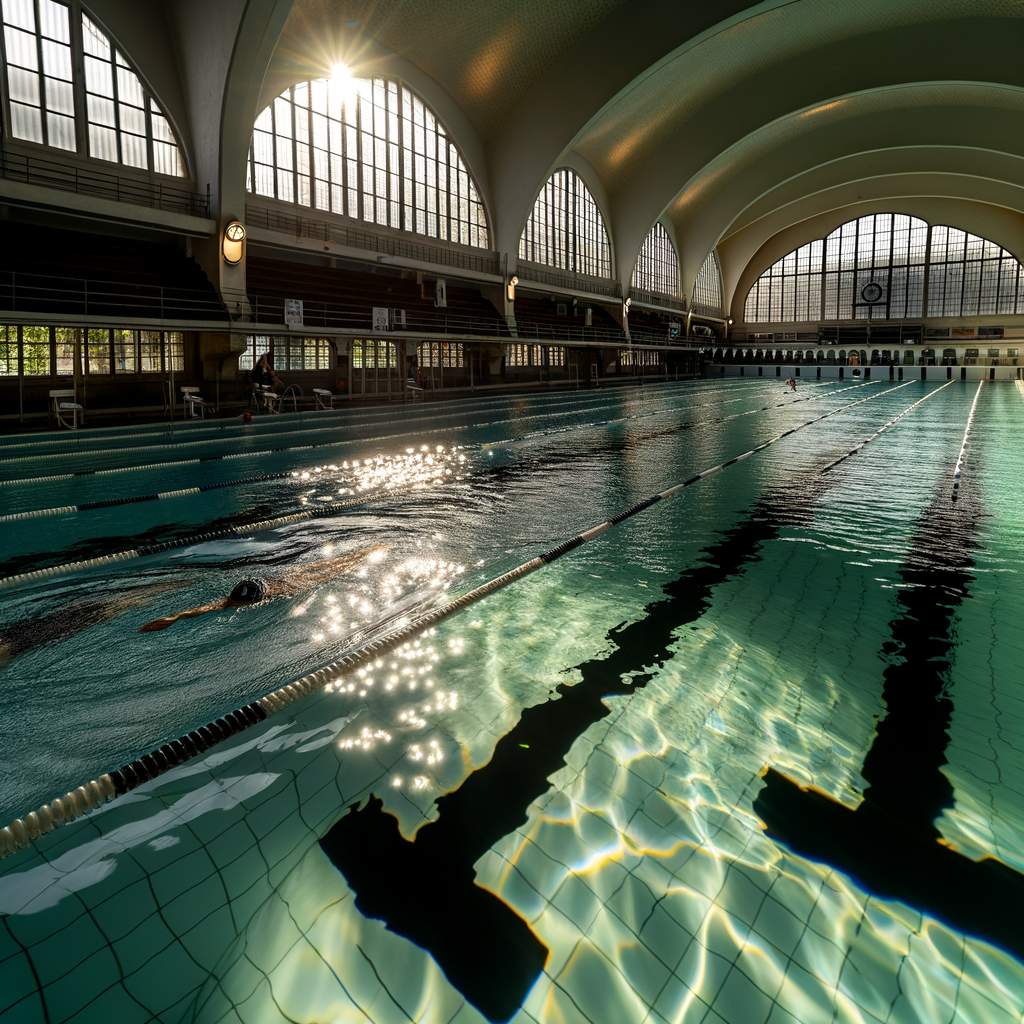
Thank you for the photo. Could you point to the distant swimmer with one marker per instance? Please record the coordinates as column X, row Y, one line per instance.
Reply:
column 791, row 383
column 74, row 617
column 256, row 590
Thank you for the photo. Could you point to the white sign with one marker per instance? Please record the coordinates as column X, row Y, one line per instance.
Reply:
column 293, row 312
column 381, row 318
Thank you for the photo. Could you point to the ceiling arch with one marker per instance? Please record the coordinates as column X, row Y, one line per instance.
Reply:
column 997, row 223
column 656, row 139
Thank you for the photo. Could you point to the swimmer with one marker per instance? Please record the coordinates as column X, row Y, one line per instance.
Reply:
column 256, row 590
column 791, row 383
column 38, row 631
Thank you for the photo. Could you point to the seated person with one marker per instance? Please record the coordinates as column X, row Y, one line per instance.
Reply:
column 264, row 376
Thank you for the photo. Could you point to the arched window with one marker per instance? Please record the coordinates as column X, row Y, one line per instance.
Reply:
column 875, row 268
column 369, row 149
column 657, row 266
column 110, row 114
column 707, row 291
column 566, row 229
column 971, row 276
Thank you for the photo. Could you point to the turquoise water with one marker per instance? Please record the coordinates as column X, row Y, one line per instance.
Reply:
column 646, row 868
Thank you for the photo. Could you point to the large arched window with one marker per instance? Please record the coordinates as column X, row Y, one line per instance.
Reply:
column 657, row 266
column 707, row 290
column 971, row 276
column 369, row 149
column 881, row 267
column 566, row 229
column 109, row 114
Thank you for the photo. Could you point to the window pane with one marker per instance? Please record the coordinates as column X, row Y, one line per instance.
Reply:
column 66, row 339
column 98, row 351
column 21, row 13
column 35, row 351
column 8, row 351
column 26, row 123
column 125, row 353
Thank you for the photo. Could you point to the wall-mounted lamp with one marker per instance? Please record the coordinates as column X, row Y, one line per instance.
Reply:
column 730, row 321
column 510, row 288
column 233, row 245
column 626, row 305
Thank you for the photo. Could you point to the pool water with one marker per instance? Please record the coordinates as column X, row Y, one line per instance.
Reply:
column 752, row 755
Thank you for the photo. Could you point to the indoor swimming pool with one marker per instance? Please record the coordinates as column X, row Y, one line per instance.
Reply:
column 750, row 754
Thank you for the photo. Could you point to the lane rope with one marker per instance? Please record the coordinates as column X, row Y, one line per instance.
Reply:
column 282, row 448
column 886, row 426
column 101, row 503
column 247, row 432
column 23, row 831
column 480, row 399
column 961, row 458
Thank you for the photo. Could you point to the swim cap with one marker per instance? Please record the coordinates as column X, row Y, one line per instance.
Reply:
column 249, row 591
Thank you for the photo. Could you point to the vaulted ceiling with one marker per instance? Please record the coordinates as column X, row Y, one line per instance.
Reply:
column 733, row 122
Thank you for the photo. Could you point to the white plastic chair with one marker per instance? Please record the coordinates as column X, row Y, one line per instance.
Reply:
column 194, row 405
column 60, row 406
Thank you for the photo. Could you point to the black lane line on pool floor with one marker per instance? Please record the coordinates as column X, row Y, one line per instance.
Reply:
column 890, row 845
column 425, row 890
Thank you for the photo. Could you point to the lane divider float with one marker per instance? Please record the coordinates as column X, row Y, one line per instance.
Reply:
column 886, row 426
column 137, row 499
column 24, row 830
column 961, row 458
column 286, row 448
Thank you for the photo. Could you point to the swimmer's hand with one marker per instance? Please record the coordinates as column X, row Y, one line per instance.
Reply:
column 190, row 613
column 158, row 624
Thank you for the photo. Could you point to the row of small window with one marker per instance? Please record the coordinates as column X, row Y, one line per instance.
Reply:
column 33, row 351
column 534, row 355
column 287, row 353
column 639, row 357
column 445, row 354
column 374, row 152
column 122, row 121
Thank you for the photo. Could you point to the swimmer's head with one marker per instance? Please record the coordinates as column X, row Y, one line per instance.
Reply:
column 248, row 591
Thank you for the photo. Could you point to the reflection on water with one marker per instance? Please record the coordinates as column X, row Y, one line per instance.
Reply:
column 636, row 858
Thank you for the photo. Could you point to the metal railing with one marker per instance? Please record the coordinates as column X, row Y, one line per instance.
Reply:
column 269, row 310
column 484, row 261
column 39, row 293
column 32, row 170
column 536, row 273
column 649, row 298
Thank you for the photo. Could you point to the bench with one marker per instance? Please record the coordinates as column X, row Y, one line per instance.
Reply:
column 59, row 405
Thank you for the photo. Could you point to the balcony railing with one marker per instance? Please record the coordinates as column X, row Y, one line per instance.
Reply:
column 33, row 170
column 649, row 298
column 536, row 273
column 68, row 296
column 484, row 262
column 269, row 310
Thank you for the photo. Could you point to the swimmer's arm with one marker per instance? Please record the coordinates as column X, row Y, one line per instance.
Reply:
column 313, row 573
column 189, row 613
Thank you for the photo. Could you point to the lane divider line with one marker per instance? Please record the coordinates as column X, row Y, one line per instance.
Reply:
column 263, row 434
column 285, row 448
column 23, row 831
column 509, row 441
column 961, row 458
column 87, row 434
column 203, row 537
column 886, row 426
column 91, row 506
